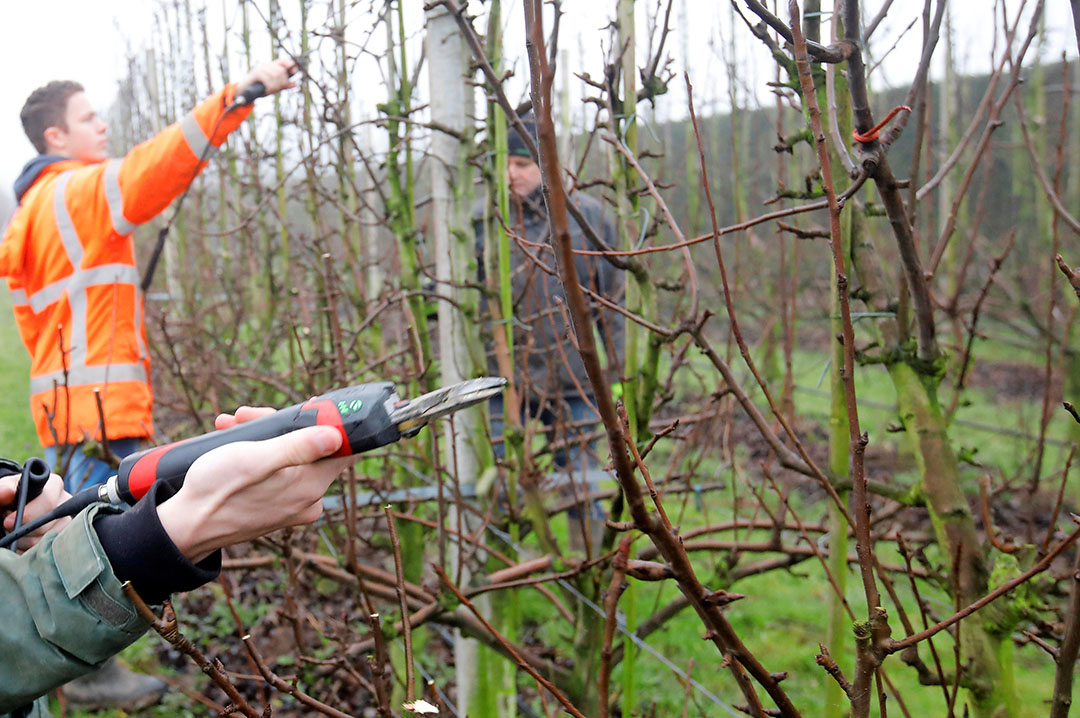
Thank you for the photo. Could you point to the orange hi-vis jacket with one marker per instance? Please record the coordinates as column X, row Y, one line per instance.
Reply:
column 70, row 264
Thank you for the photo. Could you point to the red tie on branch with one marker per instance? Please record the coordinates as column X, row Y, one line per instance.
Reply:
column 873, row 133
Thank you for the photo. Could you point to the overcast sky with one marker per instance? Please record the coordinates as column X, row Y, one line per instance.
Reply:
column 43, row 40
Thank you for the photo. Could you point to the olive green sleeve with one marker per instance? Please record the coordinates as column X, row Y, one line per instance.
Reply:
column 63, row 612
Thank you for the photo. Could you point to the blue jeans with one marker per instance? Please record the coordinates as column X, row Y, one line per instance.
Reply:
column 83, row 471
column 579, row 413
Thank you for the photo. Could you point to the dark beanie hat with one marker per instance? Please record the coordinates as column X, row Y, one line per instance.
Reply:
column 514, row 144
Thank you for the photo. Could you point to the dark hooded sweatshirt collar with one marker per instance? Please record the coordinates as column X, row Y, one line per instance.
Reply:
column 31, row 172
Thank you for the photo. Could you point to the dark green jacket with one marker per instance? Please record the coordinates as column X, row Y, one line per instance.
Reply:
column 63, row 613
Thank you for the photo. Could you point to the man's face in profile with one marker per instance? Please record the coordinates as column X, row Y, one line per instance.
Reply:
column 524, row 175
column 84, row 138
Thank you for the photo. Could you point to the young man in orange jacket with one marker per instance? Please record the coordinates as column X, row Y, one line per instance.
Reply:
column 69, row 260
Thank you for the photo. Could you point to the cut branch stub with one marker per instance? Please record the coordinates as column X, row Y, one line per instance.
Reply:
column 1073, row 275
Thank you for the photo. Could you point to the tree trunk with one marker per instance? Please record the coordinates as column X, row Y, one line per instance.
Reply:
column 988, row 673
column 454, row 251
column 839, row 628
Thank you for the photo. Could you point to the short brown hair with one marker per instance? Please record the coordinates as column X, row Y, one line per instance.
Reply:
column 47, row 107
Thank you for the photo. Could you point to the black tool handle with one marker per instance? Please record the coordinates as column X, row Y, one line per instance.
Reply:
column 360, row 413
column 256, row 90
column 251, row 93
column 35, row 474
column 69, row 508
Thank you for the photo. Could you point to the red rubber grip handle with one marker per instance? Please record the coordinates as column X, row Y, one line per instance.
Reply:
column 358, row 412
column 138, row 472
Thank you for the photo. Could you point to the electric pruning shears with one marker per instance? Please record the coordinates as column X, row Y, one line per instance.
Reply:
column 367, row 415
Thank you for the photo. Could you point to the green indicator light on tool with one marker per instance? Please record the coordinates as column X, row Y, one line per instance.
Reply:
column 349, row 407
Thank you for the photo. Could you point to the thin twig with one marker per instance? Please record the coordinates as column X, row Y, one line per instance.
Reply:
column 787, row 458
column 857, row 438
column 1040, row 173
column 286, row 687
column 611, row 606
column 688, row 260
column 106, row 454
column 378, row 667
column 995, row 267
column 399, row 588
column 1057, row 503
column 1073, row 275
column 826, row 661
column 169, row 628
column 988, row 526
column 992, row 123
column 624, row 419
column 1000, row 591
column 544, row 683
column 1068, row 648
column 903, row 548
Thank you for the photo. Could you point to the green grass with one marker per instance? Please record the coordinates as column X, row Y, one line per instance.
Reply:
column 18, row 440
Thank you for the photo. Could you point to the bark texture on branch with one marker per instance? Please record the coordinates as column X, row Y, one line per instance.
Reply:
column 720, row 630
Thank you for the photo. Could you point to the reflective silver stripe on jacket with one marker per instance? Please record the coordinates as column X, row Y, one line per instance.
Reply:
column 98, row 374
column 115, row 199
column 74, row 287
column 193, row 133
column 68, row 235
column 104, row 274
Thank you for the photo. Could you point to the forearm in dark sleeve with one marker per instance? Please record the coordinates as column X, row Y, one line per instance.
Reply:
column 141, row 552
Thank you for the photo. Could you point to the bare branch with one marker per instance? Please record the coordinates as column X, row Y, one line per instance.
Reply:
column 988, row 598
column 521, row 662
column 836, row 53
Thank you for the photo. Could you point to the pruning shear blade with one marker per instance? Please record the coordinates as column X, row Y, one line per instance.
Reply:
column 410, row 416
